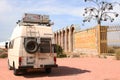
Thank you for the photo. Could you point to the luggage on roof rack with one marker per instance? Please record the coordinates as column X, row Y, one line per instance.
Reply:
column 35, row 18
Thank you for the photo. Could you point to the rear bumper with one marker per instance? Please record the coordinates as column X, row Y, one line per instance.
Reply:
column 50, row 66
column 25, row 67
column 41, row 66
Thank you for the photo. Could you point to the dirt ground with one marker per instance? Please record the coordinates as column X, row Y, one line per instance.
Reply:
column 70, row 69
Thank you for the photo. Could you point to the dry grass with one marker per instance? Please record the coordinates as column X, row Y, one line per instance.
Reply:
column 114, row 51
column 3, row 53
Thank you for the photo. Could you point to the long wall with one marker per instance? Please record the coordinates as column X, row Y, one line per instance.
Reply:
column 90, row 41
column 64, row 38
column 86, row 41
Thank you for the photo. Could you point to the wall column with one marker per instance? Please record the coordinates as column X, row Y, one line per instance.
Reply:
column 65, row 41
column 72, row 38
column 99, row 38
column 69, row 40
column 62, row 39
column 57, row 38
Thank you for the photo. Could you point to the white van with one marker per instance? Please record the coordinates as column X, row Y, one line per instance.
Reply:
column 31, row 45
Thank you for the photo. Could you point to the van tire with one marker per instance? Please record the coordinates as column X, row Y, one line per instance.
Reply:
column 15, row 71
column 48, row 70
column 9, row 67
column 34, row 45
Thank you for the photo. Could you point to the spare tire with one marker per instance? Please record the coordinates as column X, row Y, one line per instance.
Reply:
column 31, row 46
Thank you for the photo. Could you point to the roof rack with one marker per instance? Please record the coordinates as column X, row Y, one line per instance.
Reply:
column 29, row 19
column 35, row 18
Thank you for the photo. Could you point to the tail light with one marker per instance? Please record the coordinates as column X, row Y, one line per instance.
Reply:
column 20, row 61
column 54, row 60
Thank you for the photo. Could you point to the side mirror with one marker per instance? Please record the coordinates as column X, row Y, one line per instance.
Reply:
column 6, row 45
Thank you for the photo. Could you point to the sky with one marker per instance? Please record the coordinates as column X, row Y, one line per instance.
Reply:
column 62, row 12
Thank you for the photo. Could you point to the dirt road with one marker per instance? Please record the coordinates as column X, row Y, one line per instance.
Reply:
column 70, row 69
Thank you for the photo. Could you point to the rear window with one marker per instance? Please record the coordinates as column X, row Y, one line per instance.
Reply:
column 45, row 45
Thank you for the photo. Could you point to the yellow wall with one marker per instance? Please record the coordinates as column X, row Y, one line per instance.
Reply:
column 85, row 39
column 88, row 39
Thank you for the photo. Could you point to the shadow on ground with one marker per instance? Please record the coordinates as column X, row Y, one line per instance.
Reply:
column 60, row 71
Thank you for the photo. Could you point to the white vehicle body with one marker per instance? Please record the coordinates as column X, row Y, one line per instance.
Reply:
column 31, row 48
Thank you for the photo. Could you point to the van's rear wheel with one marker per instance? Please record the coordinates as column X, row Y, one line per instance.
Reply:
column 15, row 71
column 48, row 70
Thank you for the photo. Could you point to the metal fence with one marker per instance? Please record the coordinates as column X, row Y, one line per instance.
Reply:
column 113, row 36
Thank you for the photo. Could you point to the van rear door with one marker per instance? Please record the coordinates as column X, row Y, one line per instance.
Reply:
column 45, row 56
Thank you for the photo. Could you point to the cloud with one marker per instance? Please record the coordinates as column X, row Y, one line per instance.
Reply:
column 46, row 6
column 53, row 7
column 113, row 0
column 7, row 12
column 5, row 7
column 12, row 10
column 63, row 12
column 73, row 11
